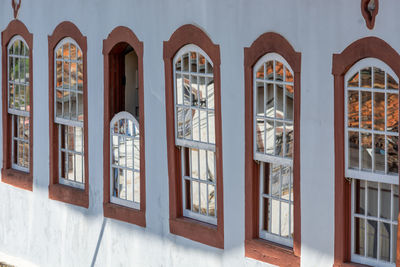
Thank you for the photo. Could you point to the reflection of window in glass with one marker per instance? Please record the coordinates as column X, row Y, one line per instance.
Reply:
column 125, row 160
column 18, row 102
column 69, row 112
column 124, row 128
column 273, row 146
column 371, row 130
column 195, row 132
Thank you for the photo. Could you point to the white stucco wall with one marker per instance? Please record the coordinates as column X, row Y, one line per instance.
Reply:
column 51, row 233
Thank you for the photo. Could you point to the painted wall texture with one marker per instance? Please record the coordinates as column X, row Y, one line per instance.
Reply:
column 51, row 233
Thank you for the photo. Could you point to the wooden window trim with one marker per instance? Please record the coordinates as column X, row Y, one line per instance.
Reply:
column 10, row 176
column 255, row 247
column 363, row 48
column 59, row 191
column 123, row 35
column 195, row 230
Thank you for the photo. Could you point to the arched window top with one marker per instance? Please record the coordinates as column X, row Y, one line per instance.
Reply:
column 374, row 73
column 371, row 121
column 273, row 109
column 68, row 49
column 264, row 70
column 18, row 46
column 199, row 60
column 124, row 123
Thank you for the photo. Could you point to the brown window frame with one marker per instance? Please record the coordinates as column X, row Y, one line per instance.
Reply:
column 123, row 35
column 11, row 176
column 59, row 191
column 369, row 47
column 179, row 225
column 256, row 247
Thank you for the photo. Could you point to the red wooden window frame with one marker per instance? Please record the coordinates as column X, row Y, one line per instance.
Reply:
column 179, row 225
column 122, row 35
column 59, row 191
column 11, row 176
column 255, row 247
column 369, row 47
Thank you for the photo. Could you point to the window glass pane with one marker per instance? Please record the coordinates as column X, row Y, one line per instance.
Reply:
column 379, row 111
column 385, row 200
column 289, row 102
column 392, row 112
column 270, row 110
column 270, row 70
column 260, row 99
column 285, row 219
column 366, row 111
column 278, row 71
column 137, row 187
column 379, row 150
column 366, row 151
column 279, row 138
column 211, row 200
column 202, row 64
column 353, row 82
column 353, row 150
column 270, row 137
column 211, row 166
column 366, row 78
column 359, row 234
column 391, row 83
column 274, row 218
column 395, row 208
column 392, row 157
column 260, row 72
column 359, row 198
column 372, row 195
column 379, row 78
column 372, row 236
column 279, row 102
column 289, row 145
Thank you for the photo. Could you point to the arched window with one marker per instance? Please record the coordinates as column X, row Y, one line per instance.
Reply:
column 272, row 151
column 273, row 146
column 68, row 110
column 124, row 139
column 195, row 131
column 371, row 149
column 17, row 104
column 366, row 79
column 69, row 181
column 194, row 136
column 125, row 160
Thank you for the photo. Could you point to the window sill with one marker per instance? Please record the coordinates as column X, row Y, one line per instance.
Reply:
column 124, row 214
column 69, row 195
column 17, row 178
column 271, row 253
column 197, row 231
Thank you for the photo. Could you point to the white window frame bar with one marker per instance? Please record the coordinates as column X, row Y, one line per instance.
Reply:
column 116, row 200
